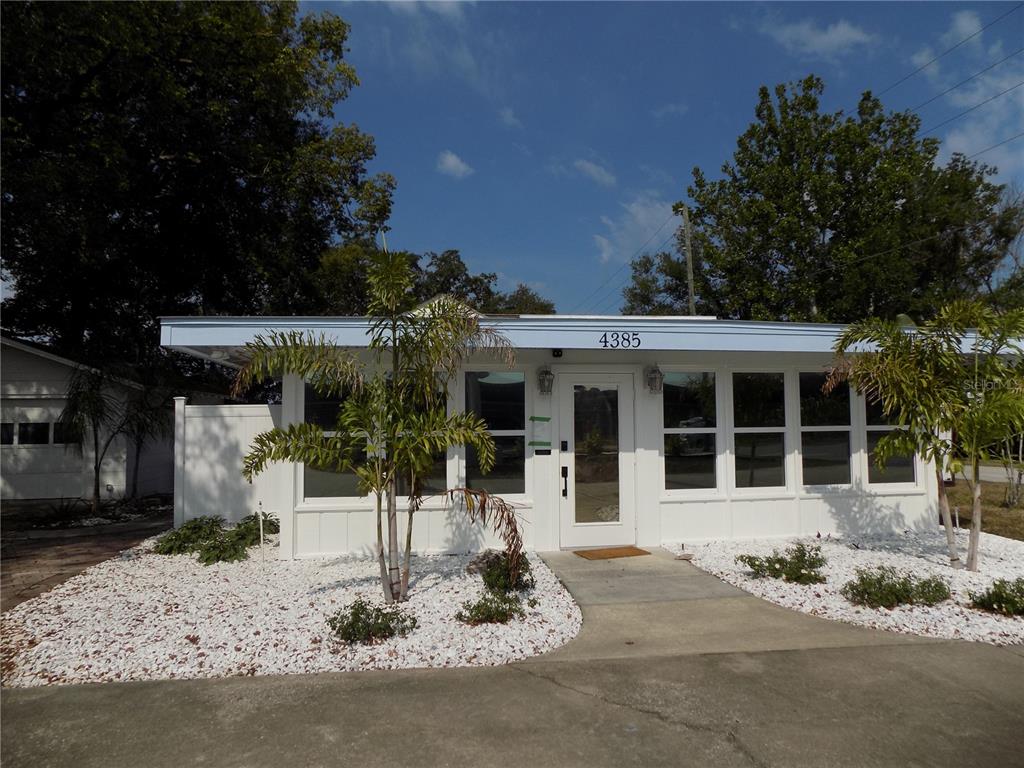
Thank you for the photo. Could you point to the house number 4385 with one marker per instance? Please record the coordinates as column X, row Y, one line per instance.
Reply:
column 617, row 340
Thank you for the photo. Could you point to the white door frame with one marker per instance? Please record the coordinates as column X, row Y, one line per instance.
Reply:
column 622, row 532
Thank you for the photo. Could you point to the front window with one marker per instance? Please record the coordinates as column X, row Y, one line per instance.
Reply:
column 824, row 432
column 898, row 469
column 322, row 482
column 759, row 434
column 34, row 433
column 499, row 398
column 690, row 424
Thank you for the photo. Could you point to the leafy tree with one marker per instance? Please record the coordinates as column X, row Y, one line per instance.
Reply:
column 960, row 373
column 146, row 418
column 173, row 158
column 94, row 409
column 834, row 217
column 343, row 273
column 393, row 419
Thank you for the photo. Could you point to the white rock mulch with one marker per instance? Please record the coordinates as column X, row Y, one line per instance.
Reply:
column 920, row 553
column 142, row 616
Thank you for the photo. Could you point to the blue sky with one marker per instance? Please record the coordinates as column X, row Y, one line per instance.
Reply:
column 547, row 142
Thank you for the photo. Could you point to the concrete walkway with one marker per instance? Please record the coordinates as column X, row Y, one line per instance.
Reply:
column 672, row 668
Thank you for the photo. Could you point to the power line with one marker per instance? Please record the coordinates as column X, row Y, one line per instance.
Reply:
column 949, row 50
column 623, row 266
column 971, row 109
column 964, row 82
column 610, row 298
column 996, row 146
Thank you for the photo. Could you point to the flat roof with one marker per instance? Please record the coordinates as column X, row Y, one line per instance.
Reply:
column 222, row 339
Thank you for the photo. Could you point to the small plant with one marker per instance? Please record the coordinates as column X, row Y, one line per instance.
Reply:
column 801, row 564
column 248, row 528
column 497, row 575
column 364, row 623
column 1005, row 597
column 190, row 537
column 885, row 587
column 493, row 608
column 226, row 547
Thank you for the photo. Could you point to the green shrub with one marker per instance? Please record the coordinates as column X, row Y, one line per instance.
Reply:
column 190, row 537
column 248, row 528
column 885, row 587
column 497, row 575
column 1005, row 597
column 225, row 547
column 800, row 564
column 493, row 608
column 364, row 623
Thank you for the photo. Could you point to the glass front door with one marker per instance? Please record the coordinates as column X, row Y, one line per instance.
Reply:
column 596, row 460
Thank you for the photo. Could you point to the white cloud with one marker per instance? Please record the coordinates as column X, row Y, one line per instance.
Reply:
column 508, row 118
column 808, row 39
column 964, row 24
column 596, row 173
column 643, row 224
column 672, row 109
column 452, row 165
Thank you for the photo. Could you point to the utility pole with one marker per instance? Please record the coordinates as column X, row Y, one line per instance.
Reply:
column 689, row 258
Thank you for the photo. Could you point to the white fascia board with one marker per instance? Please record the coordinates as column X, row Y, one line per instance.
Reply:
column 198, row 335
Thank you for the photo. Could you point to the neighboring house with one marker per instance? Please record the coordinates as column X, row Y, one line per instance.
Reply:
column 35, row 460
column 609, row 431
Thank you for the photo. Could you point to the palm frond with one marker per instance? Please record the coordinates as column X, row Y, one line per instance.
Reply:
column 329, row 369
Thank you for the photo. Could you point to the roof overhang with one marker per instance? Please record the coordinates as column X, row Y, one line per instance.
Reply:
column 222, row 339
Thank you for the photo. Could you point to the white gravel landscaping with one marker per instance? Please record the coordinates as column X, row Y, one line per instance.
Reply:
column 920, row 553
column 142, row 616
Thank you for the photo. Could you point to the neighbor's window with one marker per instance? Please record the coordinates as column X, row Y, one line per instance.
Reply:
column 7, row 433
column 323, row 483
column 824, row 431
column 34, row 433
column 898, row 469
column 690, row 425
column 499, row 398
column 759, row 431
column 62, row 434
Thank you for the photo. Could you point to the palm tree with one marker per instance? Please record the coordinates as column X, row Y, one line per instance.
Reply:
column 936, row 380
column 394, row 416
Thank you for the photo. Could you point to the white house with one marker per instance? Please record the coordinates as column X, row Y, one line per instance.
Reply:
column 35, row 460
column 609, row 431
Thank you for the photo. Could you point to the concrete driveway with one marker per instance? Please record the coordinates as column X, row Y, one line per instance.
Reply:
column 672, row 667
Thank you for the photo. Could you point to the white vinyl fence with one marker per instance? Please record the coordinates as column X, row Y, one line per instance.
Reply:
column 210, row 443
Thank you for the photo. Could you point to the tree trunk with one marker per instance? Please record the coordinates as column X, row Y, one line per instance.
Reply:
column 97, row 464
column 947, row 519
column 385, row 585
column 407, row 565
column 394, row 572
column 975, row 538
column 135, row 470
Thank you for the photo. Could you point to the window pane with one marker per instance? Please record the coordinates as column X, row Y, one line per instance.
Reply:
column 898, row 469
column 826, row 458
column 508, row 473
column 596, row 453
column 61, row 434
column 319, row 484
column 689, row 400
column 37, row 433
column 434, row 483
column 498, row 397
column 760, row 460
column 820, row 410
column 875, row 416
column 7, row 433
column 689, row 461
column 759, row 399
column 321, row 410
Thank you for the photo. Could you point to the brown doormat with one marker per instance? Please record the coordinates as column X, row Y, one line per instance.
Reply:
column 610, row 552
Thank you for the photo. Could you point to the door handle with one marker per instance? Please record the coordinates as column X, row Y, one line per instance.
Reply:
column 565, row 482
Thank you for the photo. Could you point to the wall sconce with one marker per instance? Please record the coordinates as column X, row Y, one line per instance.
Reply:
column 545, row 380
column 655, row 379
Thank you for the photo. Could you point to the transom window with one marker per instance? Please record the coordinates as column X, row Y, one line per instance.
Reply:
column 898, row 469
column 690, row 424
column 499, row 398
column 824, row 431
column 759, row 431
